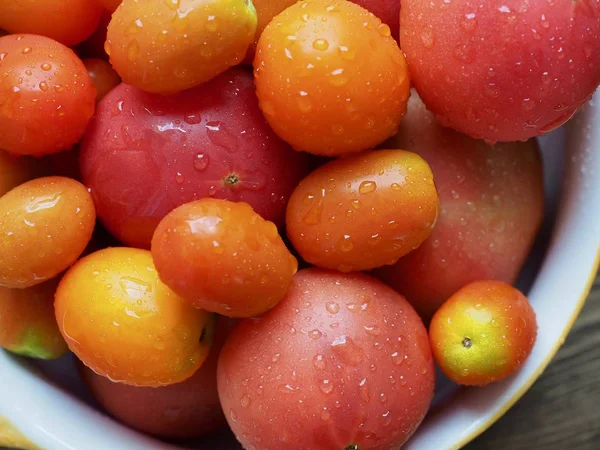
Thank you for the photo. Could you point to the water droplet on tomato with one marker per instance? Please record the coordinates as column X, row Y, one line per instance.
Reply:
column 326, row 386
column 332, row 307
column 319, row 362
column 366, row 187
column 133, row 50
column 347, row 351
column 315, row 334
column 428, row 37
column 345, row 244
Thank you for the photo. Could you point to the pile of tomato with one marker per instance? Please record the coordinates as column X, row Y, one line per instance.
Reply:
column 236, row 212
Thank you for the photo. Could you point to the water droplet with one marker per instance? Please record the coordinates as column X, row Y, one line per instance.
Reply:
column 233, row 415
column 320, row 44
column 384, row 30
column 108, row 47
column 46, row 67
column 245, row 401
column 133, row 50
column 313, row 216
column 315, row 334
column 544, row 22
column 366, row 187
column 201, row 162
column 192, row 118
column 332, row 307
column 428, row 37
column 179, row 178
column 347, row 351
column 346, row 53
column 211, row 24
column 338, row 78
column 43, row 86
column 325, row 415
column 26, row 50
column 363, row 389
column 326, row 386
column 288, row 389
column 527, row 104
column 304, row 103
column 345, row 244
column 134, row 27
column 397, row 358
column 469, row 22
column 372, row 330
column 395, row 187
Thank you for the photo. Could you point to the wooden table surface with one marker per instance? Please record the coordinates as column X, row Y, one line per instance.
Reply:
column 562, row 409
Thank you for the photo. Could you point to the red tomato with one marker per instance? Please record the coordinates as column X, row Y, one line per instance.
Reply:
column 46, row 95
column 223, row 257
column 330, row 78
column 211, row 141
column 483, row 333
column 502, row 70
column 342, row 362
column 67, row 21
column 103, row 76
column 167, row 46
column 110, row 5
column 363, row 211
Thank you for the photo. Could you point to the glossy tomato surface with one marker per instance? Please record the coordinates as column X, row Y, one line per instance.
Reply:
column 45, row 225
column 330, row 78
column 483, row 333
column 211, row 141
column 124, row 323
column 503, row 70
column 46, row 95
column 67, row 21
column 167, row 46
column 491, row 207
column 363, row 211
column 223, row 257
column 342, row 362
column 27, row 323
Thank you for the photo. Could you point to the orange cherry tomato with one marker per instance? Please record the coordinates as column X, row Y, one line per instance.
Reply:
column 66, row 21
column 265, row 11
column 124, row 323
column 103, row 76
column 27, row 323
column 483, row 333
column 167, row 46
column 363, row 211
column 46, row 95
column 330, row 78
column 14, row 171
column 45, row 225
column 223, row 257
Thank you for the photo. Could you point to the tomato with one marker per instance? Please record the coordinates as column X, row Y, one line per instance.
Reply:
column 211, row 141
column 330, row 78
column 103, row 76
column 111, row 5
column 387, row 10
column 123, row 323
column 508, row 70
column 342, row 362
column 67, row 21
column 14, row 171
column 491, row 208
column 223, row 257
column 27, row 323
column 363, row 211
column 181, row 411
column 483, row 333
column 167, row 46
column 46, row 95
column 45, row 224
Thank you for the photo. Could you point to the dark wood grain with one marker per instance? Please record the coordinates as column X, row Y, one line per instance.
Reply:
column 562, row 409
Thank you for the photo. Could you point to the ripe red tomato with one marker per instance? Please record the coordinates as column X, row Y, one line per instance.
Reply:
column 330, row 78
column 45, row 225
column 483, row 333
column 124, row 323
column 211, row 141
column 46, row 95
column 223, row 257
column 363, row 211
column 66, row 21
column 167, row 46
column 502, row 70
column 103, row 76
column 342, row 362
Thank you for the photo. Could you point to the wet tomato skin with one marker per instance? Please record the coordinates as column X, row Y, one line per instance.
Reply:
column 210, row 141
column 483, row 333
column 223, row 257
column 45, row 225
column 114, row 296
column 342, row 360
column 103, row 76
column 334, row 83
column 502, row 70
column 363, row 211
column 27, row 323
column 66, row 21
column 46, row 96
column 167, row 46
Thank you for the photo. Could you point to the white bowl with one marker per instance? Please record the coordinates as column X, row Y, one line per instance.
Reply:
column 44, row 405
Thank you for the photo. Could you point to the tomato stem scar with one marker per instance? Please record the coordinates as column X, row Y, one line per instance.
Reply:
column 231, row 179
column 352, row 447
column 467, row 343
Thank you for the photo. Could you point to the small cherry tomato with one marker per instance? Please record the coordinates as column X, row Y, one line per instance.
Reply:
column 363, row 211
column 223, row 257
column 45, row 225
column 14, row 171
column 329, row 77
column 103, row 76
column 483, row 333
column 124, row 323
column 167, row 46
column 27, row 323
column 66, row 21
column 46, row 96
